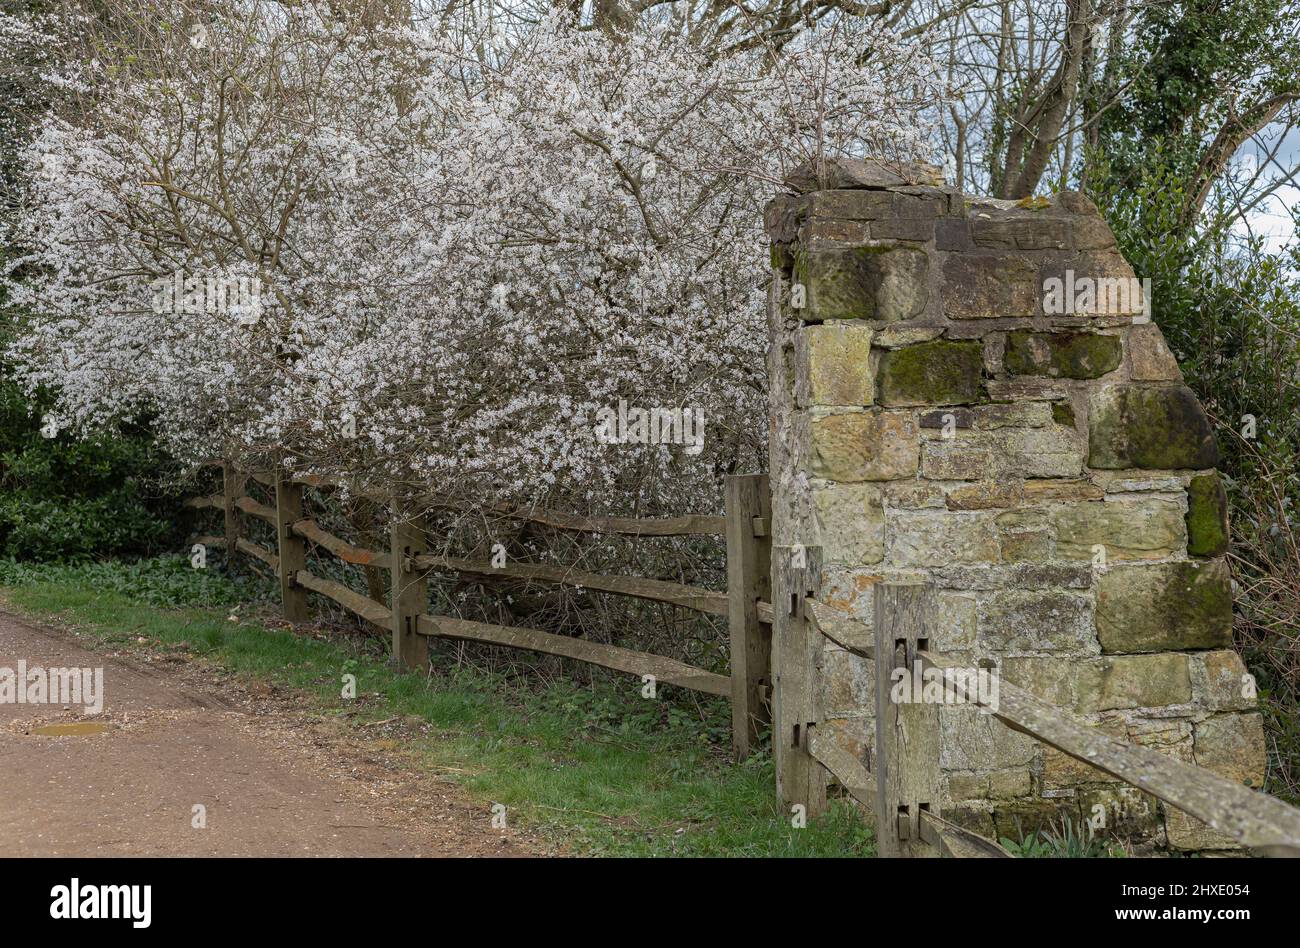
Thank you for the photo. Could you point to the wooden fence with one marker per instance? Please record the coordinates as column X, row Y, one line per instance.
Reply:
column 775, row 653
column 745, row 528
column 903, row 785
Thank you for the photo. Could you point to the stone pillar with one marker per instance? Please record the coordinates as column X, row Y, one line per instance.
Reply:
column 970, row 392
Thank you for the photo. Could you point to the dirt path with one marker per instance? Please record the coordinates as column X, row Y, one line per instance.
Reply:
column 274, row 780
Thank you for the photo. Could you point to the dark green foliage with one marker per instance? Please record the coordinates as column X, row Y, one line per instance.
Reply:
column 1229, row 308
column 63, row 499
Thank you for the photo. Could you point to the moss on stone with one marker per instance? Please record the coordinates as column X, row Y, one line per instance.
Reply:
column 885, row 282
column 1062, row 354
column 941, row 372
column 1157, row 428
column 782, row 258
column 1207, row 516
column 1063, row 414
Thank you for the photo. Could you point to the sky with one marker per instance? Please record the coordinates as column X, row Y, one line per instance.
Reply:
column 1273, row 219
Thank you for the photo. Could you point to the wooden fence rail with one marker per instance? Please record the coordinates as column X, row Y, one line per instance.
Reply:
column 902, row 788
column 744, row 526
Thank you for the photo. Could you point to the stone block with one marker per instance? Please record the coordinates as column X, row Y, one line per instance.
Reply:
column 1009, row 784
column 1051, row 491
column 1025, row 536
column 853, row 205
column 947, row 420
column 1015, row 576
column 956, row 460
column 1120, row 812
column 1207, row 516
column 835, row 364
column 1149, row 355
column 1090, row 284
column 954, row 626
column 864, row 446
column 1220, row 682
column 1233, row 746
column 1023, row 232
column 1136, row 681
column 1019, row 820
column 1129, row 529
column 915, row 229
column 940, row 537
column 984, row 495
column 989, row 285
column 895, row 337
column 1011, row 621
column 931, row 373
column 912, row 495
column 849, row 683
column 1062, row 354
column 886, row 283
column 1016, row 415
column 850, row 523
column 1053, row 452
column 1164, row 606
column 1162, row 428
column 972, row 740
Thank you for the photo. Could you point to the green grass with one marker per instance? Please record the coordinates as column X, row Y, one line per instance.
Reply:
column 597, row 766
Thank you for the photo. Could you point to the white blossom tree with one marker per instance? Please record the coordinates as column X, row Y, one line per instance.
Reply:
column 469, row 241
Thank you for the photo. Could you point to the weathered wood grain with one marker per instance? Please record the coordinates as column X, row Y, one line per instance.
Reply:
column 907, row 732
column 310, row 530
column 349, row 599
column 409, row 589
column 258, row 552
column 675, row 594
column 664, row 670
column 796, row 678
column 956, row 841
column 749, row 567
column 852, row 774
column 250, row 506
column 291, row 549
column 233, row 482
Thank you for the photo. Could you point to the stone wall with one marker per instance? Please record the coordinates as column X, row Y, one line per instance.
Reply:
column 937, row 415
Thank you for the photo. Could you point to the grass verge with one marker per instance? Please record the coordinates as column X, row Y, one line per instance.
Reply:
column 596, row 767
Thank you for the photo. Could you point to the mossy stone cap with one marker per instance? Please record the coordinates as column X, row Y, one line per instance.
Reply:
column 1157, row 428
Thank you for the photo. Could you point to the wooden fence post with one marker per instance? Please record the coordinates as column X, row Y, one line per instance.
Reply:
column 233, row 483
column 409, row 590
column 907, row 732
column 796, row 678
column 292, row 548
column 749, row 580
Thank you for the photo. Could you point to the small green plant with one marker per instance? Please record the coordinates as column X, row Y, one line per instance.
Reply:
column 1066, row 840
column 163, row 581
